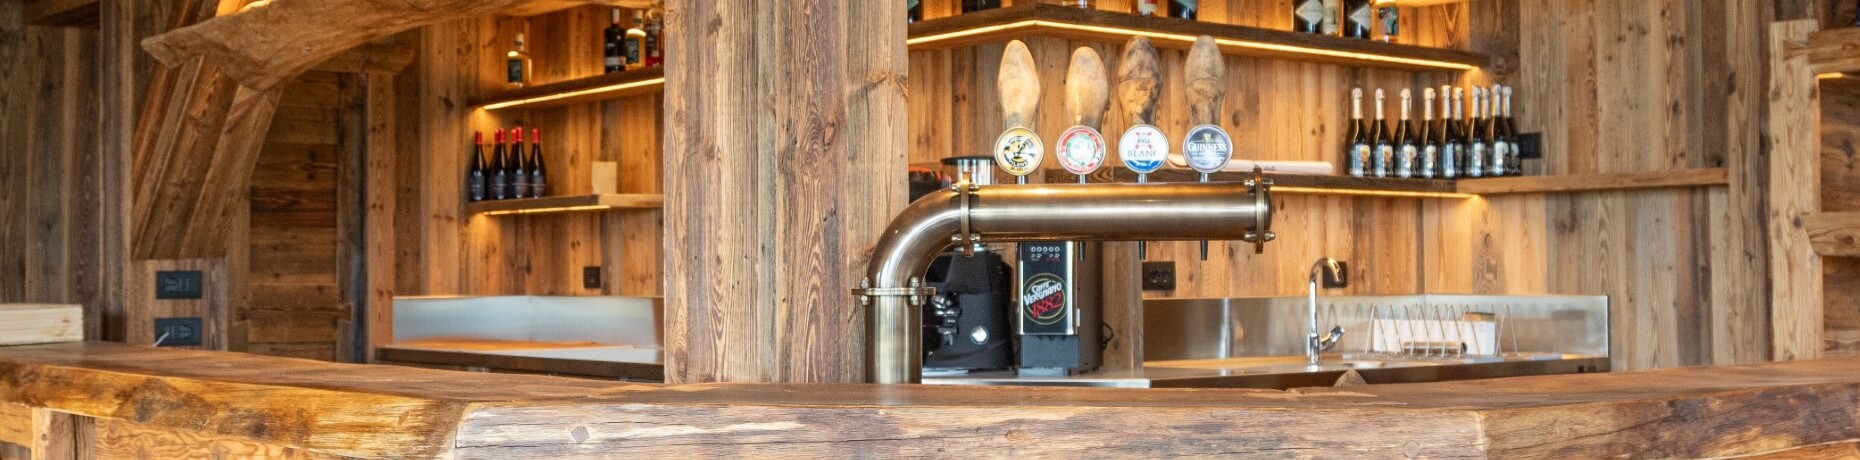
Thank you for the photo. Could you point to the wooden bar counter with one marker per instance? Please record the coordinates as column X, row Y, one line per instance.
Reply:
column 102, row 400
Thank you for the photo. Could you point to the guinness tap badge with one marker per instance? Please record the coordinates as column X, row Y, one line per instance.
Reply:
column 1207, row 149
column 1019, row 151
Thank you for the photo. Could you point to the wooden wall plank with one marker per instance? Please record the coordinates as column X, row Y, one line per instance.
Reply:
column 15, row 424
column 1795, row 271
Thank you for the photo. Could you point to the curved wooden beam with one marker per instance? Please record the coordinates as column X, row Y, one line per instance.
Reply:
column 263, row 47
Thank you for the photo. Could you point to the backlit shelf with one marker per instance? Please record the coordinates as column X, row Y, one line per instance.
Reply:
column 595, row 88
column 574, row 203
column 1310, row 184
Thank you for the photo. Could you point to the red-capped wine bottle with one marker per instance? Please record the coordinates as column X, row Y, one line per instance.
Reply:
column 539, row 183
column 500, row 174
column 474, row 176
column 519, row 169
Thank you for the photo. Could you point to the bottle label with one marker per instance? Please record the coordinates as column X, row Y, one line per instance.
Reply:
column 1404, row 161
column 1430, row 161
column 1208, row 149
column 1359, row 160
column 1019, row 151
column 520, row 185
column 498, row 183
column 614, row 61
column 538, row 185
column 1143, row 148
column 1384, row 154
column 477, row 186
column 1450, row 160
column 1147, row 7
column 1475, row 160
column 1081, row 150
column 911, row 3
column 1360, row 17
column 514, row 71
column 632, row 51
column 1501, row 157
column 1389, row 22
column 1330, row 17
column 1311, row 11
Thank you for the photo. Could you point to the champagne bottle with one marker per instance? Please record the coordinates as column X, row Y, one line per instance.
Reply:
column 539, row 182
column 1454, row 154
column 1380, row 166
column 1428, row 165
column 1357, row 146
column 519, row 169
column 474, row 178
column 1407, row 141
column 1308, row 16
column 1357, row 20
column 1479, row 146
column 1500, row 163
column 1511, row 137
column 500, row 173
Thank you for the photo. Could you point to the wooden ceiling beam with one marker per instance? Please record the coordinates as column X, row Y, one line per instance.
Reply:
column 62, row 13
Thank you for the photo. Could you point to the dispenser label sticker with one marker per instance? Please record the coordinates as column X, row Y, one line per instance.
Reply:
column 1208, row 149
column 1144, row 148
column 1019, row 151
column 1081, row 150
column 1044, row 301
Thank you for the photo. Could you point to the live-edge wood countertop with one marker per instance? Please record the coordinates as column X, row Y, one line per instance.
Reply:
column 398, row 412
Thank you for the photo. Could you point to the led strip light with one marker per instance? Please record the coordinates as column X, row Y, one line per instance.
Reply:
column 573, row 94
column 1183, row 38
column 1357, row 192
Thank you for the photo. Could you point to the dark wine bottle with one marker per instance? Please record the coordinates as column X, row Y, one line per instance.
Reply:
column 474, row 175
column 613, row 52
column 971, row 6
column 1308, row 16
column 1478, row 145
column 1358, row 20
column 1407, row 139
column 1384, row 140
column 1184, row 9
column 1511, row 137
column 913, row 10
column 500, row 173
column 1428, row 165
column 519, row 167
column 1357, row 147
column 539, row 182
column 655, row 40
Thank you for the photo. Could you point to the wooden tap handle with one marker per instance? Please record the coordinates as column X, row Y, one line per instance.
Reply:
column 1088, row 88
column 1139, row 85
column 1019, row 85
column 1207, row 82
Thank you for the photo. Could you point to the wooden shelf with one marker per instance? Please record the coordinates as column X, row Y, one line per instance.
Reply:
column 576, row 203
column 1596, row 182
column 595, row 88
column 1030, row 18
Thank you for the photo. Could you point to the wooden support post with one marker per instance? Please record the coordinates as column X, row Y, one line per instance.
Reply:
column 784, row 158
column 377, row 311
column 1794, row 177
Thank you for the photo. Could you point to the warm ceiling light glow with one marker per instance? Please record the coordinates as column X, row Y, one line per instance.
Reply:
column 571, row 94
column 1355, row 192
column 1830, row 75
column 598, row 207
column 1189, row 39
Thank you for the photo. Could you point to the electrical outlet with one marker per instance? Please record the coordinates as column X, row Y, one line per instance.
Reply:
column 1159, row 276
column 591, row 277
column 1530, row 146
column 178, row 285
column 178, row 332
column 1342, row 280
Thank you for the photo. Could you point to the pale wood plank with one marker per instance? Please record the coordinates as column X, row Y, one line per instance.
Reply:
column 1795, row 270
column 22, row 324
column 1833, row 234
column 16, row 424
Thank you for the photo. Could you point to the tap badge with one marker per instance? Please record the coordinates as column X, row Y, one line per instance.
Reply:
column 1143, row 148
column 1044, row 299
column 1208, row 149
column 1081, row 150
column 1019, row 151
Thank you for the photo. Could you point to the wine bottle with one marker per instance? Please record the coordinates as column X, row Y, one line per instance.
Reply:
column 635, row 44
column 517, row 65
column 1387, row 17
column 1500, row 163
column 1356, row 19
column 519, row 168
column 971, row 6
column 1330, row 24
column 539, row 182
column 1357, row 148
column 500, row 172
column 1453, row 143
column 1479, row 145
column 1148, row 7
column 612, row 51
column 913, row 11
column 1407, row 140
column 1184, row 9
column 1308, row 16
column 1511, row 136
column 1428, row 165
column 1380, row 165
column 655, row 39
column 474, row 176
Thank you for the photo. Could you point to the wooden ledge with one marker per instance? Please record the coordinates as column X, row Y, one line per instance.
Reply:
column 1835, row 234
column 382, row 411
column 1576, row 183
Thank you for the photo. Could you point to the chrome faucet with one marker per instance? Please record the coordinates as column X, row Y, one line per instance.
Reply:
column 1315, row 344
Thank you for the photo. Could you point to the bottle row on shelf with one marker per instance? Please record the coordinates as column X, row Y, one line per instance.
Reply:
column 1483, row 143
column 508, row 172
column 1364, row 19
column 640, row 46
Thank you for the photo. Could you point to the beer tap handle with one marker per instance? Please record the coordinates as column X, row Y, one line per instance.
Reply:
column 1081, row 149
column 1019, row 151
column 1207, row 89
column 1139, row 87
